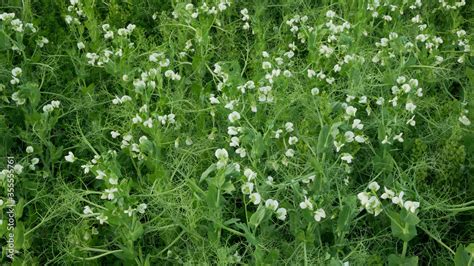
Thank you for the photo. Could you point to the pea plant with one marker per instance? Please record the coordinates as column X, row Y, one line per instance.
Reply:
column 220, row 132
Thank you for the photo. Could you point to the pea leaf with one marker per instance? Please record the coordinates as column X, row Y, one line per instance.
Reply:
column 257, row 217
column 400, row 228
column 206, row 173
column 395, row 260
column 462, row 258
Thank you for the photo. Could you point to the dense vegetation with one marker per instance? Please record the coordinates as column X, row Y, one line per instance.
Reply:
column 266, row 132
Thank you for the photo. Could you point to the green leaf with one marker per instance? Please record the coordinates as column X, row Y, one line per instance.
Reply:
column 228, row 187
column 250, row 237
column 401, row 229
column 409, row 217
column 136, row 231
column 212, row 197
column 323, row 139
column 345, row 216
column 19, row 208
column 257, row 217
column 231, row 221
column 218, row 181
column 462, row 258
column 395, row 260
column 470, row 75
column 206, row 173
column 258, row 146
column 470, row 249
column 31, row 92
column 19, row 237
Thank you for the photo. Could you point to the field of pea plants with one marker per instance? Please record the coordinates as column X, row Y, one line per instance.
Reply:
column 237, row 132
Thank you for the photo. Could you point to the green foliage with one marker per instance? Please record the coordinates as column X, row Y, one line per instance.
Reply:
column 237, row 132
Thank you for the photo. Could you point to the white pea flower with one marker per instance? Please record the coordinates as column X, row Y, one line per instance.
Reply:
column 410, row 107
column 129, row 211
column 281, row 214
column 189, row 141
column 314, row 91
column 406, row 88
column 330, row 14
column 87, row 168
column 289, row 127
column 319, row 214
column 16, row 72
column 68, row 19
column 242, row 152
column 351, row 111
column 251, row 175
column 29, row 149
column 363, row 198
column 234, row 142
column 109, row 193
column 374, row 186
column 357, row 124
column 347, row 157
column 113, row 181
column 338, row 145
column 398, row 199
column 411, row 121
column 221, row 154
column 102, row 218
column 349, row 135
column 464, row 120
column 255, row 198
column 419, row 92
column 87, row 210
column 380, row 101
column 413, row 83
column 34, row 162
column 374, row 206
column 81, row 45
column 213, row 99
column 266, row 65
column 70, row 157
column 309, row 179
column 247, row 188
column 278, row 133
column 234, row 116
column 18, row 168
column 385, row 140
column 411, row 206
column 292, row 140
column 114, row 134
column 148, row 123
column 233, row 131
column 306, row 204
column 100, row 175
column 269, row 180
column 349, row 98
column 142, row 207
column 359, row 139
column 398, row 137
column 401, row 79
column 290, row 153
column 388, row 194
column 41, row 42
column 271, row 204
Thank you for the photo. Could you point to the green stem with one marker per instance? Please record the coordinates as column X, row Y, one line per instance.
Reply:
column 305, row 256
column 405, row 246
